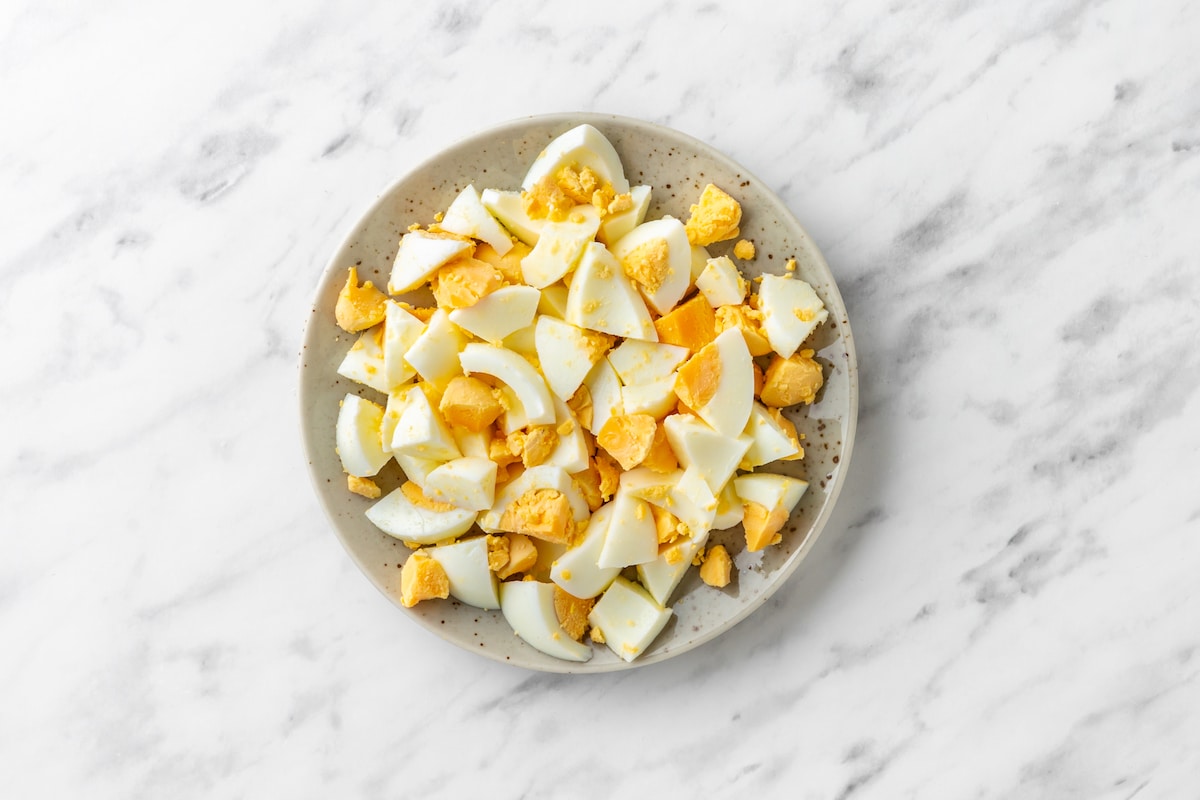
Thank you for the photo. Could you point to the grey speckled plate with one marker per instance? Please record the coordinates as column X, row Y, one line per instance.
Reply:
column 677, row 166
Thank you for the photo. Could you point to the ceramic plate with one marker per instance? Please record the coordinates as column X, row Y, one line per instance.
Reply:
column 678, row 167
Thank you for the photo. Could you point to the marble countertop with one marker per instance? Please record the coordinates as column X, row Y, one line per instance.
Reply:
column 1006, row 602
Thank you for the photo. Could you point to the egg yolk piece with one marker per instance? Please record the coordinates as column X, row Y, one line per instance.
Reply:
column 359, row 307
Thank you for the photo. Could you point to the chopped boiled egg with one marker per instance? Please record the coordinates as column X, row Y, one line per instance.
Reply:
column 422, row 578
column 400, row 331
column 697, row 445
column 638, row 362
column 632, row 537
column 721, row 283
column 769, row 440
column 714, row 218
column 714, row 383
column 359, row 438
column 572, row 612
column 359, row 307
column 602, row 298
column 614, row 226
column 466, row 566
column 528, row 606
column 509, row 208
column 537, row 515
column 516, row 373
column 684, row 493
column 434, row 354
column 467, row 216
column 655, row 399
column 408, row 515
column 577, row 570
column 791, row 311
column 662, row 575
column 628, row 618
column 560, row 246
column 792, row 380
column 568, row 352
column 717, row 567
column 691, row 325
column 419, row 430
column 421, row 254
column 657, row 257
column 748, row 322
column 469, row 403
column 468, row 482
column 582, row 146
column 364, row 362
column 603, row 395
column 768, row 500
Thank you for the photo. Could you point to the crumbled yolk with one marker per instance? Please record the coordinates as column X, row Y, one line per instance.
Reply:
column 744, row 250
column 469, row 403
column 666, row 525
column 717, row 567
column 597, row 635
column 359, row 307
column 418, row 498
column 500, row 452
column 509, row 264
column 542, row 513
column 627, row 438
column 538, row 444
column 660, row 458
column 578, row 184
column 648, row 263
column 572, row 612
column 749, row 322
column 581, row 405
column 546, row 200
column 792, row 380
column 698, row 378
column 714, row 218
column 522, row 556
column 497, row 552
column 691, row 325
column 588, row 483
column 762, row 525
column 463, row 283
column 610, row 474
column 363, row 486
column 422, row 578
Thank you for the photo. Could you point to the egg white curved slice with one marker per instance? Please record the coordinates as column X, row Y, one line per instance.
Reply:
column 714, row 454
column 576, row 570
column 614, row 226
column 400, row 332
column 509, row 208
column 559, row 247
column 359, row 438
column 769, row 441
column 662, row 575
column 434, row 354
column 419, row 429
column 602, row 298
column 539, row 477
column 605, row 389
column 632, row 537
column 721, row 283
column 466, row 482
column 582, row 146
column 729, row 509
column 466, row 566
column 516, row 373
column 396, row 516
column 656, row 399
column 791, row 312
column 570, row 453
column 528, row 606
column 728, row 409
column 567, row 354
column 678, row 274
column 684, row 493
column 420, row 255
column 639, row 362
column 499, row 314
column 629, row 618
column 364, row 361
column 467, row 216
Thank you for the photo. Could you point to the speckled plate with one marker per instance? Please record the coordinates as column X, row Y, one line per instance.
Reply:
column 677, row 166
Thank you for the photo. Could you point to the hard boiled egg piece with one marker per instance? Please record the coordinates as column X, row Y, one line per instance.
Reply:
column 656, row 399
column 729, row 509
column 567, row 353
column 602, row 298
column 700, row 259
column 560, row 246
column 580, row 147
column 632, row 537
column 364, row 362
column 638, row 362
column 663, row 574
column 434, row 354
column 717, row 383
column 657, row 256
column 419, row 429
column 466, row 565
column 769, row 441
column 791, row 311
column 604, row 388
column 768, row 501
column 721, row 283
column 576, row 570
column 416, row 469
column 528, row 606
column 359, row 437
column 420, row 255
column 400, row 332
column 467, row 482
column 570, row 453
column 468, row 217
column 509, row 208
column 614, row 226
column 539, row 477
column 684, row 493
column 697, row 445
column 498, row 314
column 397, row 515
column 629, row 618
column 516, row 373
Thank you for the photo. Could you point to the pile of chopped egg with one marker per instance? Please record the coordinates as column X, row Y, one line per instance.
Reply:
column 588, row 396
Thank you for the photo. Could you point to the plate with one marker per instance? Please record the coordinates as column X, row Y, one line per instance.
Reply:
column 678, row 167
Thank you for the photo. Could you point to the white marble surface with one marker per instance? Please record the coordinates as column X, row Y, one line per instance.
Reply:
column 1007, row 600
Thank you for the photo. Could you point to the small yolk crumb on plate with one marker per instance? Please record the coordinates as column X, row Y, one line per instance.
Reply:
column 714, row 218
column 628, row 438
column 359, row 307
column 792, row 380
column 422, row 578
column 572, row 612
column 717, row 567
column 744, row 250
column 469, row 403
column 363, row 486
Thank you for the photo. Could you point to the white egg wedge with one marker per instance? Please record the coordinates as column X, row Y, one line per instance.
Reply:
column 514, row 372
column 400, row 332
column 398, row 516
column 499, row 314
column 684, row 493
column 539, row 477
column 700, row 259
column 791, row 312
column 638, row 362
column 729, row 509
column 554, row 301
column 576, row 570
column 474, row 444
column 528, row 607
column 467, row 216
column 769, row 441
column 364, row 362
column 632, row 537
column 570, row 453
column 434, row 354
column 416, row 469
column 466, row 567
column 560, row 246
column 359, row 437
column 468, row 482
column 614, row 226
column 509, row 208
column 422, row 253
column 776, row 493
column 605, row 389
column 721, row 283
column 567, row 354
column 420, row 430
column 663, row 282
column 714, row 454
column 582, row 146
column 728, row 408
column 522, row 341
column 513, row 418
column 602, row 298
column 662, row 575
column 629, row 618
column 656, row 398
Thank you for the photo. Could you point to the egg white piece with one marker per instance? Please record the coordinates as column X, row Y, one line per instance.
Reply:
column 602, row 298
column 656, row 399
column 772, row 492
column 416, row 469
column 629, row 618
column 471, row 443
column 554, row 301
column 721, row 283
column 396, row 516
column 769, row 442
column 467, row 216
column 539, row 477
column 467, row 482
column 632, row 537
column 791, row 312
column 605, row 388
column 420, row 430
column 614, row 226
column 421, row 254
column 684, row 493
column 560, row 246
column 582, row 146
column 513, row 418
column 509, row 208
column 576, row 570
column 358, row 436
column 434, row 354
column 364, row 362
column 499, row 314
column 516, row 373
column 565, row 355
column 679, row 259
column 714, row 454
column 522, row 340
column 528, row 606
column 729, row 509
column 466, row 567
column 638, row 362
column 700, row 259
column 400, row 332
column 662, row 575
column 728, row 410
column 570, row 453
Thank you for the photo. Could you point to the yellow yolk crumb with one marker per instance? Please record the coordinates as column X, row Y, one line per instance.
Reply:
column 666, row 525
column 579, row 185
column 546, row 200
column 469, row 403
column 572, row 612
column 359, row 307
column 717, row 567
column 522, row 555
column 363, row 486
column 463, row 283
column 542, row 513
column 789, row 430
column 422, row 578
column 690, row 325
column 610, row 474
column 628, row 437
column 749, row 322
column 581, row 406
column 595, row 344
column 660, row 458
column 539, row 443
column 744, row 250
column 509, row 264
column 597, row 635
column 419, row 499
column 790, row 266
column 648, row 264
column 497, row 552
column 500, row 452
column 714, row 218
column 674, row 554
column 762, row 526
column 792, row 380
column 698, row 378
